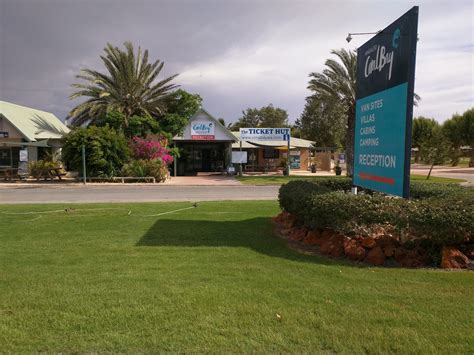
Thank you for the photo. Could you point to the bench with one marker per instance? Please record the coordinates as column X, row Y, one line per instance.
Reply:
column 49, row 173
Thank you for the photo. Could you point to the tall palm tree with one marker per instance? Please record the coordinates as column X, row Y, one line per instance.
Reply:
column 337, row 83
column 128, row 86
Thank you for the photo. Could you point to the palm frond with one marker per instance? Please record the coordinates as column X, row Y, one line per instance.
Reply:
column 128, row 85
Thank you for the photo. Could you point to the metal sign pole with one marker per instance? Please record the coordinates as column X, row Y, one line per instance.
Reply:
column 240, row 164
column 289, row 160
column 84, row 178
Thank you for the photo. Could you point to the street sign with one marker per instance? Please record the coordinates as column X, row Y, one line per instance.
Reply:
column 265, row 134
column 384, row 107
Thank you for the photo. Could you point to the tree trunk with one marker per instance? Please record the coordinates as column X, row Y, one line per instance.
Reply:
column 350, row 140
column 429, row 172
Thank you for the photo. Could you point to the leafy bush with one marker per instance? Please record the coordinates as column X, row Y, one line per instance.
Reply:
column 35, row 166
column 424, row 190
column 151, row 148
column 106, row 150
column 145, row 167
column 443, row 215
column 296, row 193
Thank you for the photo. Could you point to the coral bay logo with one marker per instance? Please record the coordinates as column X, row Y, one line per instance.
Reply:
column 203, row 130
column 382, row 58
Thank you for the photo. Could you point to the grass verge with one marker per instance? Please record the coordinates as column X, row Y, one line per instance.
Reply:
column 280, row 180
column 211, row 278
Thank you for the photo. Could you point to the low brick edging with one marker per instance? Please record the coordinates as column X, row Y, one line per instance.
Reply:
column 376, row 250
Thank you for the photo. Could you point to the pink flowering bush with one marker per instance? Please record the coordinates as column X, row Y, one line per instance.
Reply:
column 151, row 148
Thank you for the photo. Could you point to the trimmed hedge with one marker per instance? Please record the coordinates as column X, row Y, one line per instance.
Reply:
column 442, row 212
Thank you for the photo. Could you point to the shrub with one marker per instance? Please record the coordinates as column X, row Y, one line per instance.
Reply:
column 151, row 148
column 144, row 167
column 106, row 150
column 441, row 213
column 424, row 190
column 35, row 166
column 294, row 194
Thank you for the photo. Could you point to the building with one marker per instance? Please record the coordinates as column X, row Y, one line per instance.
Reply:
column 26, row 134
column 204, row 146
column 207, row 146
column 270, row 155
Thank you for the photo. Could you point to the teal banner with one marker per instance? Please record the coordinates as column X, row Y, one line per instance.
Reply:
column 380, row 141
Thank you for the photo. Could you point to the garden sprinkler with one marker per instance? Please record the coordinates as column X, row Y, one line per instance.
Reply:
column 174, row 211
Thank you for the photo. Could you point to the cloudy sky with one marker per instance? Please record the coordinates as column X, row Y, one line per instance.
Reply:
column 235, row 54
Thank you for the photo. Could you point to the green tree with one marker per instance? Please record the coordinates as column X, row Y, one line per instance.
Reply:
column 435, row 150
column 129, row 86
column 422, row 131
column 337, row 84
column 268, row 116
column 322, row 121
column 181, row 106
column 106, row 150
column 459, row 129
column 468, row 132
column 137, row 125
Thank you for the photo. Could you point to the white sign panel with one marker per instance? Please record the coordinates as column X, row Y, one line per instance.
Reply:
column 24, row 155
column 265, row 134
column 203, row 130
column 239, row 157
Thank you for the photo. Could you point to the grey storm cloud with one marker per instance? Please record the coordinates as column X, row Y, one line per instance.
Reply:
column 235, row 54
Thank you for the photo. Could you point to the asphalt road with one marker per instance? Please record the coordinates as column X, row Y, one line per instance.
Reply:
column 445, row 171
column 128, row 193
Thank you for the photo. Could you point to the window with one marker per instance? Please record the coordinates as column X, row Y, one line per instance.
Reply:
column 5, row 157
column 270, row 153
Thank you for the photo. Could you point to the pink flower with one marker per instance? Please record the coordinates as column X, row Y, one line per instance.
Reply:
column 150, row 148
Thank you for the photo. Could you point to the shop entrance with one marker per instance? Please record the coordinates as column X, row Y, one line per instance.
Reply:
column 201, row 157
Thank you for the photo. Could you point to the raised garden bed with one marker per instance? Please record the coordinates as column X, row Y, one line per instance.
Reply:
column 434, row 228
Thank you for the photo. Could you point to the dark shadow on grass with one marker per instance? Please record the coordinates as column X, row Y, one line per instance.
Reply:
column 256, row 234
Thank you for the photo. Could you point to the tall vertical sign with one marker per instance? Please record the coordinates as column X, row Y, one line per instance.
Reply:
column 384, row 107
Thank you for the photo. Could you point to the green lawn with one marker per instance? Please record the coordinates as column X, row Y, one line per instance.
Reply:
column 208, row 279
column 434, row 179
column 279, row 179
column 464, row 162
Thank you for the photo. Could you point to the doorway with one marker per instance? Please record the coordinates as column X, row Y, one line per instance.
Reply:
column 201, row 157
